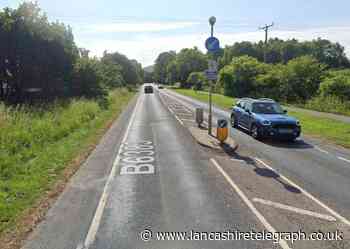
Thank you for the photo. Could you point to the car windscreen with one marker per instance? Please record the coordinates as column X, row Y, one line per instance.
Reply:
column 267, row 108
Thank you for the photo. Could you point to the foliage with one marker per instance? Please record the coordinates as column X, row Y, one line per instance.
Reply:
column 171, row 67
column 34, row 54
column 190, row 60
column 238, row 78
column 280, row 51
column 87, row 79
column 197, row 80
column 337, row 84
column 131, row 70
column 161, row 64
column 37, row 143
column 39, row 60
column 301, row 79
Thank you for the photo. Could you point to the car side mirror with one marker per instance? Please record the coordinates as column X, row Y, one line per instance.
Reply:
column 248, row 111
column 285, row 111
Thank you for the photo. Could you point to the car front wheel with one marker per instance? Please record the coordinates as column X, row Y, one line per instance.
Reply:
column 233, row 121
column 255, row 132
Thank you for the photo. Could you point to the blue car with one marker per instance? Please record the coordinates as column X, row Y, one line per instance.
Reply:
column 264, row 118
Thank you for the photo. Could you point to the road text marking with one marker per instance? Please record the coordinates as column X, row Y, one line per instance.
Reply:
column 294, row 209
column 245, row 199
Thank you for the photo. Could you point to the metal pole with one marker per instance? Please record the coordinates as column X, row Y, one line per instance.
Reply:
column 212, row 30
column 210, row 109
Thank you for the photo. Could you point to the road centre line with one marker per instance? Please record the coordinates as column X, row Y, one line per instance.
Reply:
column 294, row 209
column 344, row 159
column 250, row 205
column 91, row 235
column 334, row 213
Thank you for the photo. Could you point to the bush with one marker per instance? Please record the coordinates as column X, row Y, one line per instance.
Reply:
column 197, row 80
column 336, row 84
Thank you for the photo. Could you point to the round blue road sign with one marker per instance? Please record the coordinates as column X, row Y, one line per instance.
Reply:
column 212, row 44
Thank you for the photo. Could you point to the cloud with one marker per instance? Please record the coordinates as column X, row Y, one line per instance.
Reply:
column 127, row 26
column 146, row 47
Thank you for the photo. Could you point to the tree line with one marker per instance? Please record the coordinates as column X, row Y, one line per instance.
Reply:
column 40, row 60
column 293, row 72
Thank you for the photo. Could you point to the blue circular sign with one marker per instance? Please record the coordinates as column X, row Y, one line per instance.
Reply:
column 212, row 44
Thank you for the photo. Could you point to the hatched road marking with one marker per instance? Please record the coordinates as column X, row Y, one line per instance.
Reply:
column 334, row 213
column 294, row 209
column 245, row 199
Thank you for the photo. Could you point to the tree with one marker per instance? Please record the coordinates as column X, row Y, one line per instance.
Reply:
column 301, row 78
column 87, row 79
column 161, row 66
column 130, row 69
column 238, row 78
column 190, row 60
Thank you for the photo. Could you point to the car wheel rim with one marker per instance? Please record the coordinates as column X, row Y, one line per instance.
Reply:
column 255, row 131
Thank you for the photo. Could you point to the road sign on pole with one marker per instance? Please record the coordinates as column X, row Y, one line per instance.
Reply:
column 211, row 75
column 212, row 44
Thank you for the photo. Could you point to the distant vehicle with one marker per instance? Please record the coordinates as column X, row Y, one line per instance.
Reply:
column 264, row 118
column 160, row 87
column 148, row 89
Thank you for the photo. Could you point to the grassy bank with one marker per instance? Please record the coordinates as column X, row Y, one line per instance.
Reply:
column 333, row 130
column 36, row 145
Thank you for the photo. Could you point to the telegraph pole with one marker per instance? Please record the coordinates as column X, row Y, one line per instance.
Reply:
column 266, row 29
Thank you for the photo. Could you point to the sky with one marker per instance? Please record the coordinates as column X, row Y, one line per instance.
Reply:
column 143, row 29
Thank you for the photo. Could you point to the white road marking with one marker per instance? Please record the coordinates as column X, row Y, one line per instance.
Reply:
column 245, row 199
column 344, row 159
column 334, row 213
column 91, row 235
column 237, row 160
column 321, row 150
column 294, row 209
column 178, row 119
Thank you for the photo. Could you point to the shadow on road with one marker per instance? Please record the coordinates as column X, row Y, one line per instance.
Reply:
column 261, row 171
column 297, row 144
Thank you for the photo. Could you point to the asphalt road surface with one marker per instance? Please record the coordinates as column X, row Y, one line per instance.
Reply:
column 321, row 168
column 148, row 175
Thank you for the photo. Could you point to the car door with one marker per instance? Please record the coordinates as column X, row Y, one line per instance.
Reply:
column 245, row 117
column 239, row 111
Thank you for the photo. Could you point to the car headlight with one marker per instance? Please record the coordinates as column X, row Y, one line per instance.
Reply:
column 266, row 122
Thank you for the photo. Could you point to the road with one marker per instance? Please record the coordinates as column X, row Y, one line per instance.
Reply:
column 150, row 185
column 322, row 169
column 147, row 173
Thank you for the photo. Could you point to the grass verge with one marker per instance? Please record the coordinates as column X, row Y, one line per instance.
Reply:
column 326, row 128
column 37, row 145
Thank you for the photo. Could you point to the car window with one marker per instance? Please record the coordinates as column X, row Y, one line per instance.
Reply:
column 248, row 106
column 238, row 104
column 267, row 108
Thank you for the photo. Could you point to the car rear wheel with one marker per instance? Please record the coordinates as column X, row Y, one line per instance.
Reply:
column 255, row 132
column 233, row 121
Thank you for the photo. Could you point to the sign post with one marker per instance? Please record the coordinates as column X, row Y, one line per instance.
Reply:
column 212, row 44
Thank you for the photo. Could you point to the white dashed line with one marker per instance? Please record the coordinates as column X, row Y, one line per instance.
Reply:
column 334, row 213
column 294, row 209
column 245, row 199
column 344, row 159
column 237, row 160
column 321, row 150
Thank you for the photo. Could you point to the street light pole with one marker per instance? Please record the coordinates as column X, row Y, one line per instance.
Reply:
column 212, row 21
